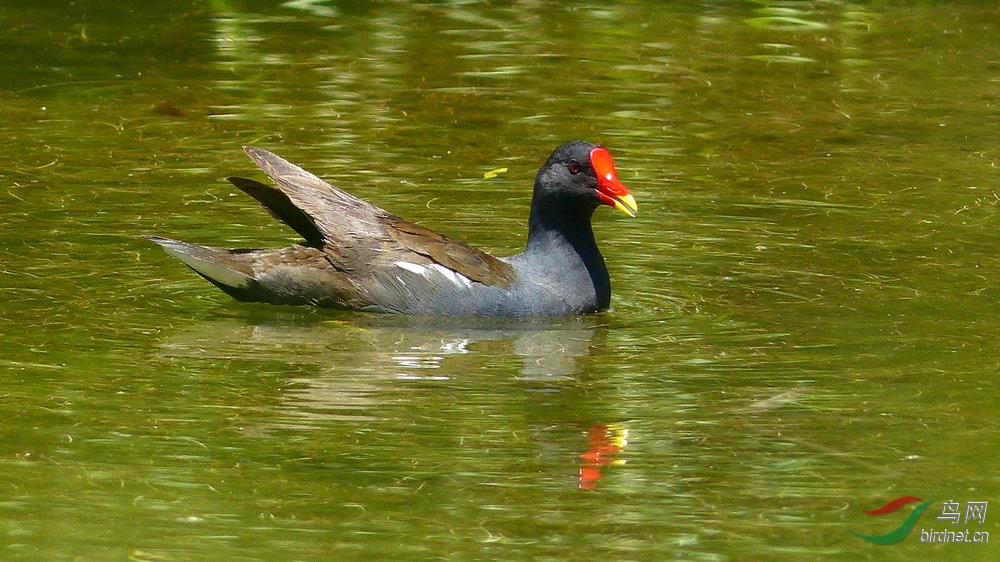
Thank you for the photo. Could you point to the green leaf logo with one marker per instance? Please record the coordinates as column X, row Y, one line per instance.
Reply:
column 899, row 533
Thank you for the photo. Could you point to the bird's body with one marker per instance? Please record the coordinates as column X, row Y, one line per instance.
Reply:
column 358, row 256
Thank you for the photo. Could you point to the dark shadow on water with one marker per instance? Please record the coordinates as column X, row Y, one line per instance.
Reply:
column 359, row 368
column 402, row 347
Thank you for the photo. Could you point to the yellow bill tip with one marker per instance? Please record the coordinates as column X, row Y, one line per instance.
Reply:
column 626, row 204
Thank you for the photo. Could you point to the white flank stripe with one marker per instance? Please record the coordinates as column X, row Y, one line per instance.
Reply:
column 452, row 276
column 413, row 267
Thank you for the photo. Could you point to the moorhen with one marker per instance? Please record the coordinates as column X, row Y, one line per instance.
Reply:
column 358, row 256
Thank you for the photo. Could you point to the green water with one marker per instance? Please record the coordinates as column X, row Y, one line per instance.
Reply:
column 803, row 326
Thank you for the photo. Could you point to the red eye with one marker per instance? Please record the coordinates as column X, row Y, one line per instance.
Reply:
column 574, row 167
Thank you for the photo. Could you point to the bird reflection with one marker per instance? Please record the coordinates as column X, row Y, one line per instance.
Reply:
column 603, row 442
column 363, row 368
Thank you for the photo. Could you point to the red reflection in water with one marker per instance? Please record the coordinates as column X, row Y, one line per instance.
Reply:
column 602, row 440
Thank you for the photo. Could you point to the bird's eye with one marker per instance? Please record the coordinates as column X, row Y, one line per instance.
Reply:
column 574, row 167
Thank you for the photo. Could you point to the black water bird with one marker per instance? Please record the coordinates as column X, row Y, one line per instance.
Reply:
column 358, row 256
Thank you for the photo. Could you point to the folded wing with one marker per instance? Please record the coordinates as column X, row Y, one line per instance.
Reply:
column 352, row 232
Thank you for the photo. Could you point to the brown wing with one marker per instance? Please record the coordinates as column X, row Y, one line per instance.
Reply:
column 470, row 262
column 357, row 234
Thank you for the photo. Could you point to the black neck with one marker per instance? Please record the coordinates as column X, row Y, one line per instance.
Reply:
column 558, row 227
